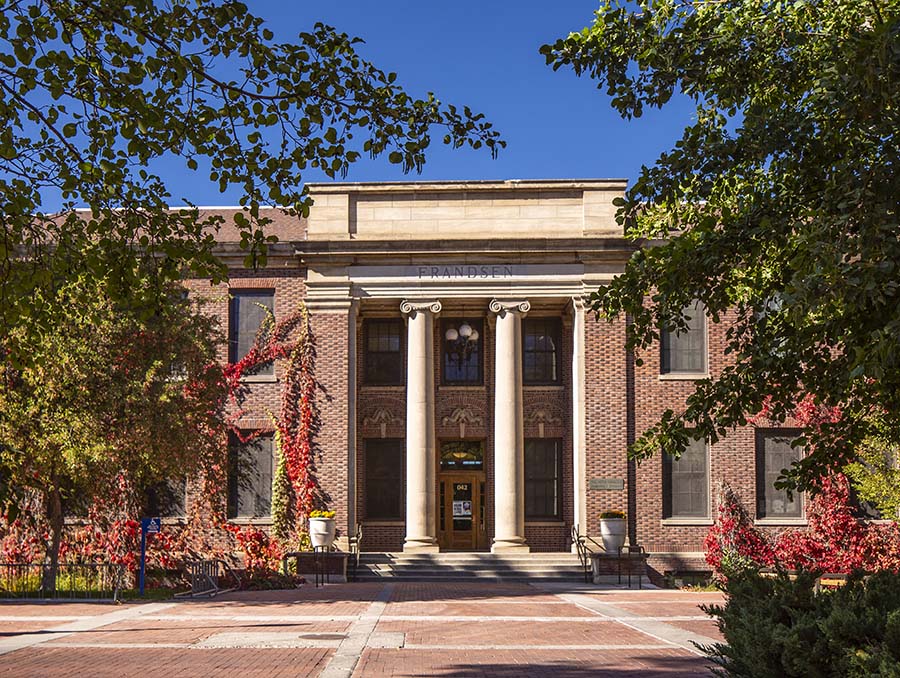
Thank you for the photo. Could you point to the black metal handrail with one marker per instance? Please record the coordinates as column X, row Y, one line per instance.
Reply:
column 585, row 552
column 355, row 548
column 73, row 581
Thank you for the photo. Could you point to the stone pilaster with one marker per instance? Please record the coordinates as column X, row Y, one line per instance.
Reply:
column 421, row 521
column 579, row 449
column 509, row 439
column 352, row 323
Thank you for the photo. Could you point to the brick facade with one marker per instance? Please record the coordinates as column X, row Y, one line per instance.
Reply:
column 328, row 269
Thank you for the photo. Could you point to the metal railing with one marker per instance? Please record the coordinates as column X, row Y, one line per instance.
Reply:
column 207, row 574
column 585, row 553
column 73, row 581
column 355, row 548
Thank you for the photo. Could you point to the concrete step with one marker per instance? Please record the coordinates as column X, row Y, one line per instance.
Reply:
column 474, row 566
column 488, row 567
column 468, row 557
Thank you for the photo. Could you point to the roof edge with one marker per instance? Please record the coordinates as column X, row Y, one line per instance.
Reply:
column 462, row 184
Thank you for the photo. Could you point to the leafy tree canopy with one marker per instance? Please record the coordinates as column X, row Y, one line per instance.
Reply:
column 777, row 209
column 94, row 93
column 110, row 392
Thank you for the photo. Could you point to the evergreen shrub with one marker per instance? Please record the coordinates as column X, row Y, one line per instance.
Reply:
column 781, row 626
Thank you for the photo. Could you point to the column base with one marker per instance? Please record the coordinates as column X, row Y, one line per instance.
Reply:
column 421, row 546
column 513, row 545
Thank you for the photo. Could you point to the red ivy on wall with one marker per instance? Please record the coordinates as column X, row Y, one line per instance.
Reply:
column 834, row 540
column 297, row 422
column 111, row 532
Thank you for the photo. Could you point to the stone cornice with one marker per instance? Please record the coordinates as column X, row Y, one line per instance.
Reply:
column 540, row 248
column 451, row 186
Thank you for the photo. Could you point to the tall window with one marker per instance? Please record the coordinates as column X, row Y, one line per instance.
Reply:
column 248, row 310
column 774, row 454
column 385, row 463
column 250, row 471
column 384, row 351
column 166, row 499
column 462, row 351
column 543, row 478
column 686, row 483
column 541, row 354
column 685, row 352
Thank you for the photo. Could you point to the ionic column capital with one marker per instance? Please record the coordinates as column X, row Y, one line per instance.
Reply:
column 504, row 306
column 411, row 307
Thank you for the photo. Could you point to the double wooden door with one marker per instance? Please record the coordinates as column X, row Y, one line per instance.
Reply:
column 461, row 512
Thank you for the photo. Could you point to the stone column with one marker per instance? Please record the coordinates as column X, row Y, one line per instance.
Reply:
column 509, row 439
column 421, row 521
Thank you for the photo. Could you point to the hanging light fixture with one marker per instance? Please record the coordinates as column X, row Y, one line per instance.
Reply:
column 461, row 341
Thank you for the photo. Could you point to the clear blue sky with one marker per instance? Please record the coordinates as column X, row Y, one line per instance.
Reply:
column 485, row 55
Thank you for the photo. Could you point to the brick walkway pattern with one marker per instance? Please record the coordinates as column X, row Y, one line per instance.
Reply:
column 360, row 630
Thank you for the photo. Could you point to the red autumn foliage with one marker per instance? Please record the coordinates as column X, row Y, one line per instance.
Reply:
column 262, row 553
column 833, row 541
column 111, row 531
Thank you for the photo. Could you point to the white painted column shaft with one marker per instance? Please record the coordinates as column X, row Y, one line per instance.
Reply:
column 509, row 439
column 421, row 522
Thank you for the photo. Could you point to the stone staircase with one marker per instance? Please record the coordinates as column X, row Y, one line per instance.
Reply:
column 482, row 567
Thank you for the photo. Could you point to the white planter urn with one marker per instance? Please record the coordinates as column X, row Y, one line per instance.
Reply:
column 321, row 531
column 612, row 531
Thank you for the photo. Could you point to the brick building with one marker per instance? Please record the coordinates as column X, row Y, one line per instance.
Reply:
column 469, row 401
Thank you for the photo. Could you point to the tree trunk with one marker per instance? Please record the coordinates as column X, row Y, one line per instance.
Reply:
column 51, row 559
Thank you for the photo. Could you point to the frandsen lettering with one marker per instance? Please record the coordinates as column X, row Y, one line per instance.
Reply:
column 465, row 271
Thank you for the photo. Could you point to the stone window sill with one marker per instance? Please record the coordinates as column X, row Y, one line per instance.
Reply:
column 780, row 522
column 261, row 521
column 259, row 379
column 683, row 376
column 383, row 523
column 544, row 523
column 382, row 387
column 686, row 522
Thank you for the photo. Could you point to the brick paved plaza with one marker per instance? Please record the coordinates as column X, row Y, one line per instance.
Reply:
column 425, row 629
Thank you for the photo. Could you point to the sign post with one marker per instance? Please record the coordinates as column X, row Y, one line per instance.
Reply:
column 148, row 526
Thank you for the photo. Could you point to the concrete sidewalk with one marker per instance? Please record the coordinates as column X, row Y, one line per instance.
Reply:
column 368, row 629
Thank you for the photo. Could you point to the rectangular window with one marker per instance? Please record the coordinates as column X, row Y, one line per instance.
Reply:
column 166, row 499
column 774, row 454
column 543, row 478
column 248, row 309
column 462, row 351
column 385, row 466
column 383, row 352
column 686, row 483
column 685, row 352
column 250, row 471
column 541, row 354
